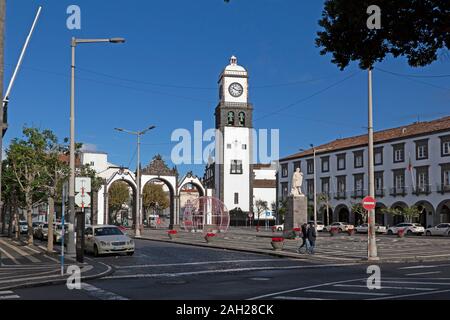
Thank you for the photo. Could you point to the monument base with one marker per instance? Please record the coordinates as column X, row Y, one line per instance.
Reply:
column 297, row 214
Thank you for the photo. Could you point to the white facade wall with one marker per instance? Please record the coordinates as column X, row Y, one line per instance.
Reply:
column 98, row 161
column 265, row 174
column 434, row 171
column 236, row 183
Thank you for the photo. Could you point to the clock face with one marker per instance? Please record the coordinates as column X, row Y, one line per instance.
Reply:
column 236, row 89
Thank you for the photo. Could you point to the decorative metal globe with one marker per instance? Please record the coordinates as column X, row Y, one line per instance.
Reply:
column 206, row 215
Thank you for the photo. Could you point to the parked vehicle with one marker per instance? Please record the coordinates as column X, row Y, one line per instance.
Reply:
column 23, row 227
column 342, row 226
column 41, row 232
column 364, row 228
column 442, row 229
column 278, row 227
column 104, row 239
column 319, row 226
column 410, row 228
column 57, row 232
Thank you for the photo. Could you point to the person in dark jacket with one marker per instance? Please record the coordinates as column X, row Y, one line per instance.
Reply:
column 305, row 241
column 311, row 236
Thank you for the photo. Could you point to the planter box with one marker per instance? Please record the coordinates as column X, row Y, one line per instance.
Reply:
column 173, row 236
column 351, row 232
column 210, row 239
column 277, row 245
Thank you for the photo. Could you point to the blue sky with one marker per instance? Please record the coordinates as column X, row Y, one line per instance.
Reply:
column 166, row 74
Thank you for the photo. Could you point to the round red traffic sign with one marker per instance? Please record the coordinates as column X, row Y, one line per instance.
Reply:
column 369, row 203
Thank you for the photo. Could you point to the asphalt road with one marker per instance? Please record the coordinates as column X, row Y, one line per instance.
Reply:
column 166, row 271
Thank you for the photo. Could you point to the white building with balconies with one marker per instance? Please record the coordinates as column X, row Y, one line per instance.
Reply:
column 412, row 167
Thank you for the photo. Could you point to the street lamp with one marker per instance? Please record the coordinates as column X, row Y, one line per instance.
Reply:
column 315, row 178
column 137, row 223
column 74, row 43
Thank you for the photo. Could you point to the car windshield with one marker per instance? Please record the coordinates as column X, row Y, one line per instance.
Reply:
column 108, row 232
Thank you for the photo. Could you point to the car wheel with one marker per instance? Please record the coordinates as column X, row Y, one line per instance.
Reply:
column 279, row 229
column 390, row 232
column 130, row 253
column 409, row 232
column 428, row 234
column 96, row 251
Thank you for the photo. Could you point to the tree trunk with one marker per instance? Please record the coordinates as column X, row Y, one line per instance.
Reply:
column 16, row 219
column 29, row 218
column 94, row 211
column 10, row 220
column 51, row 207
column 4, row 209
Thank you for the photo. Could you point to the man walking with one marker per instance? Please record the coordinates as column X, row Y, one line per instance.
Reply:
column 311, row 238
column 304, row 238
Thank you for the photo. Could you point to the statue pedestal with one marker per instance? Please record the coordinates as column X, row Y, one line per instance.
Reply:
column 297, row 213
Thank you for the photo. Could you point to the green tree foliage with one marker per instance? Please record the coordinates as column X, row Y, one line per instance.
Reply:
column 416, row 29
column 119, row 195
column 358, row 208
column 154, row 197
column 27, row 158
column 408, row 213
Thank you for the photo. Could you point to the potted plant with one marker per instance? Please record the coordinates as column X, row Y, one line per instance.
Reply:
column 351, row 232
column 210, row 236
column 297, row 232
column 334, row 231
column 274, row 228
column 277, row 243
column 401, row 233
column 172, row 234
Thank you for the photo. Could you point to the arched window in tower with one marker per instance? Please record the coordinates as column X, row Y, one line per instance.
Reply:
column 242, row 119
column 230, row 121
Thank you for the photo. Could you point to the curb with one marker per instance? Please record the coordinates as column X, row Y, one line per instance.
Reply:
column 108, row 272
column 417, row 259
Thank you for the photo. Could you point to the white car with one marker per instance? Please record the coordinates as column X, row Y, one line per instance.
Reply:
column 23, row 227
column 364, row 228
column 342, row 226
column 104, row 239
column 442, row 229
column 278, row 227
column 319, row 227
column 410, row 228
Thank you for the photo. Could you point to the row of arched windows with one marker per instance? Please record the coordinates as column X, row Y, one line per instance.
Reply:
column 241, row 119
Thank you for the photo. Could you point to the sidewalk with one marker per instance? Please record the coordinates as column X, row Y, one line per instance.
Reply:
column 341, row 248
column 26, row 266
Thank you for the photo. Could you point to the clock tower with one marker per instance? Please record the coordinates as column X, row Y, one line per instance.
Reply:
column 234, row 150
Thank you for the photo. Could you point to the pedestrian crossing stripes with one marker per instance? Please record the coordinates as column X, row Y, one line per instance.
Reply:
column 8, row 295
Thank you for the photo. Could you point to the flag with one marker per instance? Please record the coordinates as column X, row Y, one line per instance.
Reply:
column 410, row 169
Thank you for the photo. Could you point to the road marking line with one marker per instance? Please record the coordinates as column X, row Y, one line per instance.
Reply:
column 21, row 252
column 423, row 273
column 100, row 293
column 383, row 287
column 413, row 294
column 417, row 267
column 298, row 298
column 10, row 256
column 154, row 275
column 196, row 263
column 5, row 292
column 305, row 288
column 9, row 297
column 417, row 282
column 349, row 292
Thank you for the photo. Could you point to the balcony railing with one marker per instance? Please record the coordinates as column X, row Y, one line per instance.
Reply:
column 400, row 191
column 358, row 194
column 443, row 188
column 379, row 193
column 425, row 189
column 340, row 195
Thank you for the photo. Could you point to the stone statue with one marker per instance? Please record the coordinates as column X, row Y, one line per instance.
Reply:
column 297, row 181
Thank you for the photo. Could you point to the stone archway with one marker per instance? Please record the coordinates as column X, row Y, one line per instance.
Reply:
column 380, row 216
column 157, row 170
column 159, row 217
column 326, row 217
column 443, row 211
column 126, row 215
column 427, row 214
column 342, row 213
column 398, row 218
column 190, row 188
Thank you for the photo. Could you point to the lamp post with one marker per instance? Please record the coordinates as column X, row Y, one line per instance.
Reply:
column 315, row 151
column 74, row 43
column 372, row 244
column 138, row 134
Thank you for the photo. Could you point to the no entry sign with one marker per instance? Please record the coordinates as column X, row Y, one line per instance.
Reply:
column 369, row 203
